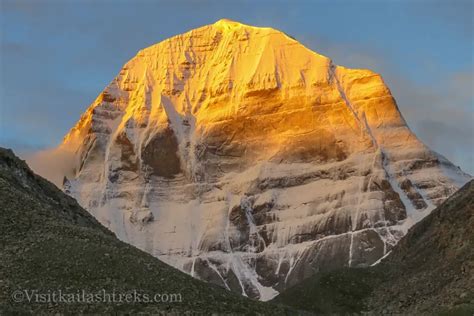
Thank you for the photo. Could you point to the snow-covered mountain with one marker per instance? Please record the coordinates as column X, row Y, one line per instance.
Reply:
column 243, row 158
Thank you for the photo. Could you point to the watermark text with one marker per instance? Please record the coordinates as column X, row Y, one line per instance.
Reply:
column 101, row 296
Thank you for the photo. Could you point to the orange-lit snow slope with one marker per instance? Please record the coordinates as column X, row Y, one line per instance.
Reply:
column 238, row 155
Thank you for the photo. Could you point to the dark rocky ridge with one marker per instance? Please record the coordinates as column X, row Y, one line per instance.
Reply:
column 430, row 271
column 49, row 243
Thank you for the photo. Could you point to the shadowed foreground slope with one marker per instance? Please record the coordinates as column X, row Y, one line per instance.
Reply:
column 49, row 243
column 430, row 271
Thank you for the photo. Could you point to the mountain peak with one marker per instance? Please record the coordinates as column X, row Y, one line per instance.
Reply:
column 231, row 25
column 228, row 23
column 228, row 26
column 249, row 146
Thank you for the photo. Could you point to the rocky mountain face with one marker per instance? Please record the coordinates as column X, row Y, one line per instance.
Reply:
column 429, row 272
column 48, row 243
column 241, row 157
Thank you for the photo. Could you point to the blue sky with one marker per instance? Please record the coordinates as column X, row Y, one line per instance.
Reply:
column 56, row 56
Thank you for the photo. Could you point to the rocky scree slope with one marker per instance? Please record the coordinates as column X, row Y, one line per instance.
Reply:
column 241, row 157
column 430, row 271
column 49, row 243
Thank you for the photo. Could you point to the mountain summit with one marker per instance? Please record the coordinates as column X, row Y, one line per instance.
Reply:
column 243, row 158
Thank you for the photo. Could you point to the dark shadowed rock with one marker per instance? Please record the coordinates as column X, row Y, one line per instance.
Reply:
column 49, row 243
